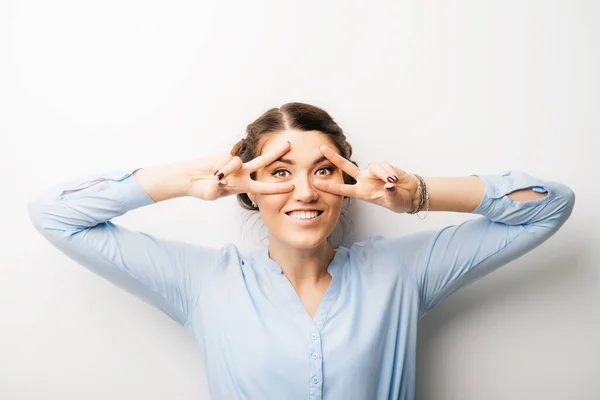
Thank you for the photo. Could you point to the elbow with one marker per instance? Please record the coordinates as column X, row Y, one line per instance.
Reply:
column 564, row 199
column 562, row 202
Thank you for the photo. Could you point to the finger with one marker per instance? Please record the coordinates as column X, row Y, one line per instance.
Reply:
column 215, row 189
column 336, row 188
column 383, row 173
column 221, row 162
column 233, row 165
column 262, row 161
column 391, row 171
column 269, row 188
column 223, row 183
column 387, row 176
column 339, row 161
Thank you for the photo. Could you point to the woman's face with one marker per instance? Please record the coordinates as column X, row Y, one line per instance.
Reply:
column 302, row 164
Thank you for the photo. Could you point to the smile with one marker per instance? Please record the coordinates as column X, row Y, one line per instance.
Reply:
column 304, row 215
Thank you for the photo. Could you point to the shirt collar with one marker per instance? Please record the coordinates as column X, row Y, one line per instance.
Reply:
column 261, row 257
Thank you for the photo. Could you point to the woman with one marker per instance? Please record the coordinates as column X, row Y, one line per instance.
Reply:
column 301, row 319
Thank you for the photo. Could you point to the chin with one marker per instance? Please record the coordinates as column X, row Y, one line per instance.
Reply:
column 309, row 243
column 306, row 240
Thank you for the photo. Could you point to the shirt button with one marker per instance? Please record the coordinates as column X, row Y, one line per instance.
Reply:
column 314, row 355
column 315, row 380
column 313, row 336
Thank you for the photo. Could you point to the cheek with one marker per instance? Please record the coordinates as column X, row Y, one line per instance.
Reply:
column 335, row 202
column 271, row 202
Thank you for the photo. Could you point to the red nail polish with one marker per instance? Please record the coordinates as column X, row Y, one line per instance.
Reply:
column 220, row 176
column 215, row 171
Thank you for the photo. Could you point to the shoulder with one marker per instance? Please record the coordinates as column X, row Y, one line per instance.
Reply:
column 380, row 256
column 213, row 257
column 375, row 249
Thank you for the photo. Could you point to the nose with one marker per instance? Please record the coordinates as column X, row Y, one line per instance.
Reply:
column 304, row 190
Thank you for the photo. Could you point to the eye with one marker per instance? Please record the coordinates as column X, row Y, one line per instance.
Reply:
column 328, row 170
column 277, row 173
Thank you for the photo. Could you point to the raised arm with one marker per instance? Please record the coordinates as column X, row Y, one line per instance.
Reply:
column 519, row 213
column 76, row 218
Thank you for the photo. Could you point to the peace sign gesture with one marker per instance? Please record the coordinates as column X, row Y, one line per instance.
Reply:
column 380, row 183
column 221, row 176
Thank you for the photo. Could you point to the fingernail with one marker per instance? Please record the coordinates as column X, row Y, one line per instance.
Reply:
column 391, row 189
column 215, row 171
column 390, row 179
column 220, row 176
column 221, row 184
column 395, row 178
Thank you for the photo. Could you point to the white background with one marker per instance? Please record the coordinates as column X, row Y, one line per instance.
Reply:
column 435, row 87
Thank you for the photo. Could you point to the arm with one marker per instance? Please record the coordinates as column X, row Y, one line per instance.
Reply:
column 76, row 218
column 160, row 183
column 464, row 194
column 519, row 213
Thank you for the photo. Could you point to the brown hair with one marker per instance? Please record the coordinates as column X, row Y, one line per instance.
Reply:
column 300, row 116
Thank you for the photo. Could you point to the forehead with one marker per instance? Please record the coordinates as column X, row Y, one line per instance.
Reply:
column 304, row 143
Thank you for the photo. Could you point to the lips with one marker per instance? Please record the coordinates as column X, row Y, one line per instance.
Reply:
column 304, row 214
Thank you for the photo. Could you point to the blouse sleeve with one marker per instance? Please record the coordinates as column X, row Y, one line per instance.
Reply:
column 441, row 261
column 164, row 273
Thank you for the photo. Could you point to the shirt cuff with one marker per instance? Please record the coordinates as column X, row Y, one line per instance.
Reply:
column 121, row 185
column 498, row 186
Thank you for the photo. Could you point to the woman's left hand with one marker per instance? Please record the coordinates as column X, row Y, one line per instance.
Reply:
column 380, row 183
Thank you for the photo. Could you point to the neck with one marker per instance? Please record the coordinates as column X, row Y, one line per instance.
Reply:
column 303, row 267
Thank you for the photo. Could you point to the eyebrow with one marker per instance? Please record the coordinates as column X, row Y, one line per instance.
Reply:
column 290, row 162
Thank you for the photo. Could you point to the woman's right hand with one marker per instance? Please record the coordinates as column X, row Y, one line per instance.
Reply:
column 221, row 176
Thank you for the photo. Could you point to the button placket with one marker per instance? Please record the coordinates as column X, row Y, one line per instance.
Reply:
column 311, row 327
column 316, row 370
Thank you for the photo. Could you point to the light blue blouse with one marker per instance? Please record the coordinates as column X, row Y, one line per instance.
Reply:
column 257, row 340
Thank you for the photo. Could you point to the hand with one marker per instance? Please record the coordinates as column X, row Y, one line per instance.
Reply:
column 380, row 183
column 224, row 175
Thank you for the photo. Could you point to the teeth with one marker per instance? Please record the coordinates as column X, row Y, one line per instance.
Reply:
column 303, row 214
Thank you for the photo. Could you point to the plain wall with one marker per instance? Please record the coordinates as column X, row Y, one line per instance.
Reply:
column 441, row 88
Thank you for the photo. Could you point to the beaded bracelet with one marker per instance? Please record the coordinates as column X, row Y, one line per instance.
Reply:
column 424, row 197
